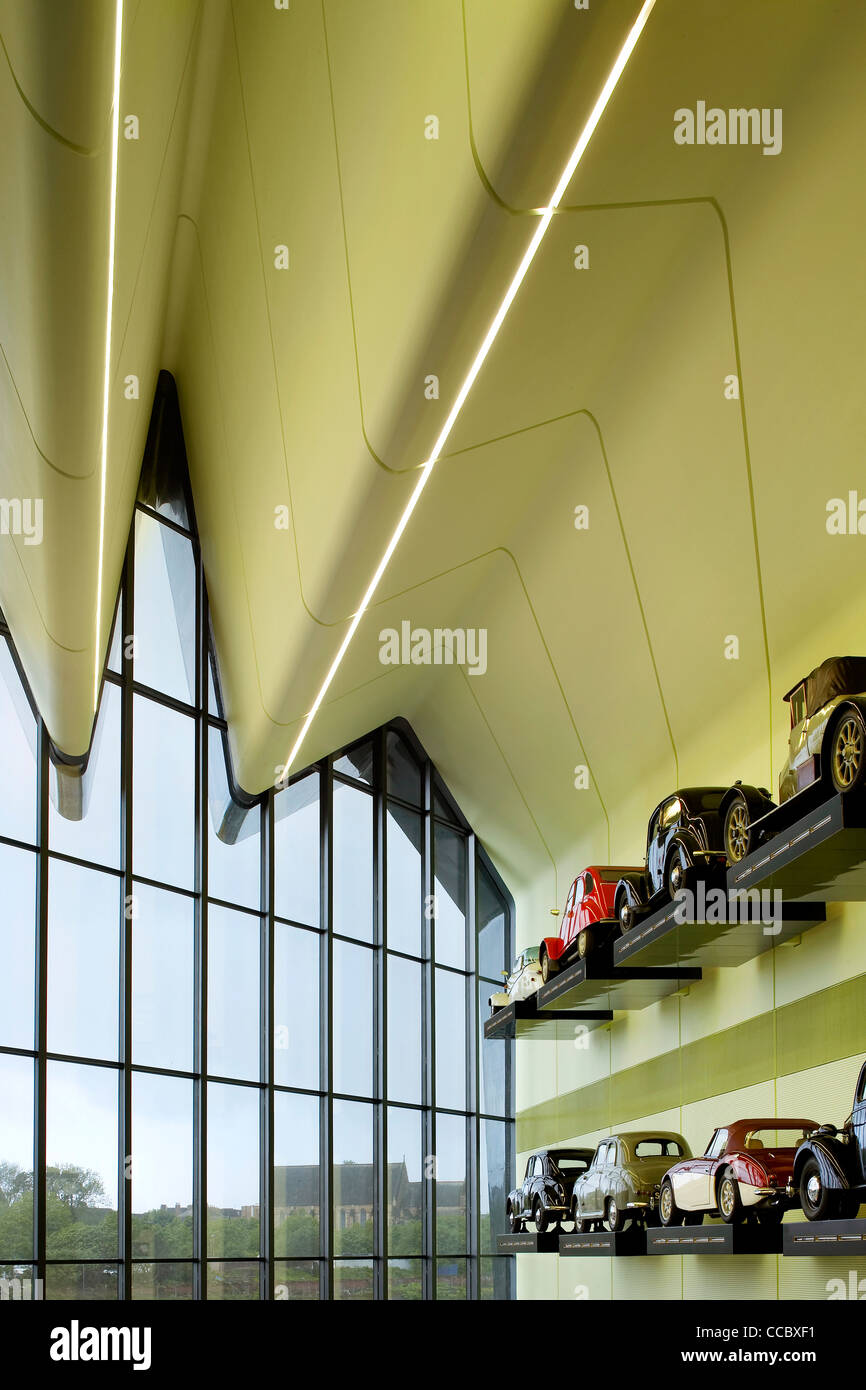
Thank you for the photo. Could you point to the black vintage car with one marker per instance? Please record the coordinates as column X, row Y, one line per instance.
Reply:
column 691, row 836
column 545, row 1195
column 830, row 1167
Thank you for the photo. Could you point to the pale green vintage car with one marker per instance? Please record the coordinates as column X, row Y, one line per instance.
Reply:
column 622, row 1182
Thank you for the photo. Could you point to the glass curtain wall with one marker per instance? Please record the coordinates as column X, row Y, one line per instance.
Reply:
column 241, row 1044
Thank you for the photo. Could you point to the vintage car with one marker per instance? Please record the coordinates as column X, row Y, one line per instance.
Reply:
column 747, row 1169
column 830, row 1166
column 827, row 742
column 523, row 980
column 686, row 841
column 588, row 918
column 621, row 1183
column 545, row 1195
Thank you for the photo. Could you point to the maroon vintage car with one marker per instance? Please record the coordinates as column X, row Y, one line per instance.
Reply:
column 748, row 1167
column 587, row 918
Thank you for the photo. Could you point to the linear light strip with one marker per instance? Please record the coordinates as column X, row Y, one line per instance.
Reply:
column 106, row 387
column 481, row 356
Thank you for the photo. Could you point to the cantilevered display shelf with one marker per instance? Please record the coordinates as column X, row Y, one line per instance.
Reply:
column 521, row 1019
column 594, row 983
column 661, row 940
column 745, row 1239
column 819, row 856
column 824, row 1237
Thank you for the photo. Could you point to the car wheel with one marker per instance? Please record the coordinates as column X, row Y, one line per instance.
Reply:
column 818, row 1201
column 539, row 1216
column 848, row 751
column 679, row 875
column 545, row 965
column 625, row 913
column 737, row 829
column 669, row 1212
column 614, row 1215
column 730, row 1205
column 515, row 1221
column 584, row 943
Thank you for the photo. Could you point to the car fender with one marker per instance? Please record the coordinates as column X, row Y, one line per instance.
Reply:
column 636, row 889
column 690, row 844
column 747, row 1169
column 553, row 945
column 757, row 802
column 832, row 1157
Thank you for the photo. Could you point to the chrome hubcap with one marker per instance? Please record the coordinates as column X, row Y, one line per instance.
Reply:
column 848, row 752
column 676, row 876
column 813, row 1189
column 738, row 832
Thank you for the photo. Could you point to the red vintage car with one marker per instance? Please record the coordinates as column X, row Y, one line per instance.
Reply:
column 748, row 1167
column 587, row 918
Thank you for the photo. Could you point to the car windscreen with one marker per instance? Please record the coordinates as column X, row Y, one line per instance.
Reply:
column 530, row 954
column 569, row 1167
column 609, row 875
column 787, row 1138
column 658, row 1148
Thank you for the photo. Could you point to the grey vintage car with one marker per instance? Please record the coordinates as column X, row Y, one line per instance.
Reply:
column 621, row 1183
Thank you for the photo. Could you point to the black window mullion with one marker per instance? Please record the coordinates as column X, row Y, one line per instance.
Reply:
column 267, row 1035
column 428, row 1050
column 380, row 1028
column 326, row 1059
column 127, row 1177
column 41, row 1068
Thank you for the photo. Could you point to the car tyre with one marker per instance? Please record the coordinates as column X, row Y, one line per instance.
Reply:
column 819, row 1202
column 848, row 751
column 614, row 1216
column 515, row 1221
column 545, row 965
column 737, row 830
column 679, row 874
column 540, row 1217
column 585, row 943
column 669, row 1212
column 625, row 914
column 729, row 1200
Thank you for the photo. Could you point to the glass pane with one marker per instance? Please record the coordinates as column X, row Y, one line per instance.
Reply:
column 115, row 650
column 16, row 1158
column 404, row 1030
column 234, row 984
column 404, row 1280
column 492, row 954
column 163, row 978
column 405, row 1182
column 450, row 889
column 451, row 1184
column 494, row 1053
column 81, row 1153
column 18, row 1282
column 232, row 1170
column 296, row 1174
column 213, row 704
column 450, row 1040
column 163, row 794
column 97, row 835
column 91, row 1283
column 296, row 1279
column 353, row 1279
column 296, row 1006
column 18, row 945
column 296, row 851
column 353, row 1179
column 233, row 836
column 451, row 1279
column 234, row 1279
column 83, row 961
column 353, row 862
column 163, row 1282
column 17, row 754
column 442, row 803
column 162, row 1158
column 403, row 876
column 403, row 772
column 495, row 1278
column 352, row 1033
column 357, row 763
column 164, row 599
column 495, row 1182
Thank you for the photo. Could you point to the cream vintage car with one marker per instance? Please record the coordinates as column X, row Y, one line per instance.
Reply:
column 622, row 1182
column 522, row 981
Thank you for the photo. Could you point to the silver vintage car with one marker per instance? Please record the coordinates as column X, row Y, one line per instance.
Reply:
column 622, row 1182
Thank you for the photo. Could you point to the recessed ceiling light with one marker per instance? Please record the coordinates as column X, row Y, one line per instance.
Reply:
column 480, row 358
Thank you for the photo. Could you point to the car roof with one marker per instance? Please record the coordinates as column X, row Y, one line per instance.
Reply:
column 631, row 1136
column 774, row 1122
column 688, row 794
column 837, row 675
